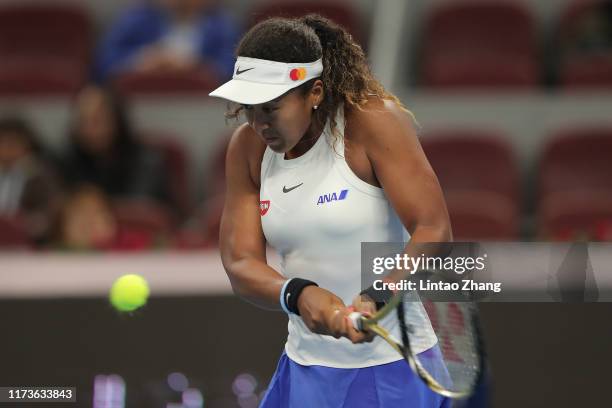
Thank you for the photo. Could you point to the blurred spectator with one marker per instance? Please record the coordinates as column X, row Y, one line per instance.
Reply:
column 591, row 31
column 87, row 222
column 29, row 185
column 201, row 230
column 169, row 35
column 104, row 151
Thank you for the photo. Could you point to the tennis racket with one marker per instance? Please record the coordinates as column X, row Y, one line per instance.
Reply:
column 454, row 365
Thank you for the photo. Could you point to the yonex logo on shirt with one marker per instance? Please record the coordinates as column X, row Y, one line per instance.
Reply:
column 328, row 198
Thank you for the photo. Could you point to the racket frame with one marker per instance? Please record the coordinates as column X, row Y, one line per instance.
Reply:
column 364, row 323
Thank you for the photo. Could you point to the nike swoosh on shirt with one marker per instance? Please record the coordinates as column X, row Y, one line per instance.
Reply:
column 238, row 71
column 286, row 190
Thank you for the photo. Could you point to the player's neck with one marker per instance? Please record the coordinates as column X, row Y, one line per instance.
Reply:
column 307, row 141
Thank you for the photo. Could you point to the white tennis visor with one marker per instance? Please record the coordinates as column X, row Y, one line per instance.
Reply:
column 258, row 81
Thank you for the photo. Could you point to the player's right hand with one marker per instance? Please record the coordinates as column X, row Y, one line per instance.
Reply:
column 325, row 313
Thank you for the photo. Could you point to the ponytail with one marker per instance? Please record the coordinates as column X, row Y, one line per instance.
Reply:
column 347, row 78
column 344, row 63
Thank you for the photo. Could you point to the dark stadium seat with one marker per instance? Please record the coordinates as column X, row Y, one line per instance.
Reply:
column 44, row 48
column 482, row 216
column 576, row 215
column 480, row 180
column 587, row 72
column 144, row 215
column 202, row 229
column 584, row 56
column 24, row 76
column 577, row 159
column 58, row 30
column 473, row 160
column 197, row 82
column 12, row 233
column 479, row 44
column 211, row 216
column 216, row 165
column 342, row 12
column 575, row 183
column 177, row 163
column 190, row 239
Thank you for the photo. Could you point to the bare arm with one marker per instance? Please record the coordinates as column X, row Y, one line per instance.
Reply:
column 406, row 176
column 242, row 242
column 243, row 247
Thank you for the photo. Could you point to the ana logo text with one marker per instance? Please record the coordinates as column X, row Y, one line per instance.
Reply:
column 328, row 198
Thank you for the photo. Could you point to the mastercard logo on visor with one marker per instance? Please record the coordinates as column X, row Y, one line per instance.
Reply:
column 297, row 74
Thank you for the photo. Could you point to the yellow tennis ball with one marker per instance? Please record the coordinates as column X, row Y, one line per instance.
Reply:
column 129, row 292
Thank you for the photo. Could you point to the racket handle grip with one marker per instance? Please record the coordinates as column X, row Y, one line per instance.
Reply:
column 356, row 319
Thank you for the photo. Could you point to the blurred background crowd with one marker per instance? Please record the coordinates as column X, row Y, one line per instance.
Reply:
column 108, row 140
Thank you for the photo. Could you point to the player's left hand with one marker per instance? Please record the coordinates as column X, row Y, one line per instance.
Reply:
column 367, row 307
column 363, row 304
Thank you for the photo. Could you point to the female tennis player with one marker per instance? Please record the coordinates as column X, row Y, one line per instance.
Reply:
column 327, row 159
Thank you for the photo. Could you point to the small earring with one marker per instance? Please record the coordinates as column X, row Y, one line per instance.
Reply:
column 315, row 107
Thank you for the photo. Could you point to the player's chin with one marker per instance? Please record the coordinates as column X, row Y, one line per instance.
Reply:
column 276, row 145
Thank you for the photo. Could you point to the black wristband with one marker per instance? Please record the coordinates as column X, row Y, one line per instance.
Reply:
column 380, row 297
column 293, row 291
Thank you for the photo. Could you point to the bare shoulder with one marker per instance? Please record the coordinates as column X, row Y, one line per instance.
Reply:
column 245, row 148
column 380, row 122
column 244, row 141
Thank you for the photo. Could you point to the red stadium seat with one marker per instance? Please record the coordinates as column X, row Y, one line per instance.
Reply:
column 473, row 160
column 216, row 169
column 24, row 76
column 577, row 160
column 51, row 30
column 198, row 82
column 575, row 187
column 341, row 12
column 12, row 233
column 202, row 229
column 479, row 44
column 482, row 215
column 189, row 239
column 480, row 180
column 144, row 216
column 177, row 164
column 445, row 70
column 586, row 72
column 576, row 215
column 210, row 217
column 44, row 48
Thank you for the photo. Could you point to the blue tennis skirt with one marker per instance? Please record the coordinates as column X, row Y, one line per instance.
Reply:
column 392, row 385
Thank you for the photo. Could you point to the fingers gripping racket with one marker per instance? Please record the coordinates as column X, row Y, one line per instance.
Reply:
column 454, row 366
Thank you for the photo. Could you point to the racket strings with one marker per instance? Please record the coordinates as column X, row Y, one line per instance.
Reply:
column 454, row 362
column 457, row 340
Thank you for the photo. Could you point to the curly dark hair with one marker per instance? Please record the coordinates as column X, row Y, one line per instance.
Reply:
column 346, row 76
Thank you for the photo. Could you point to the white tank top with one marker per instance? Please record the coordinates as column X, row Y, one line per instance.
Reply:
column 316, row 212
